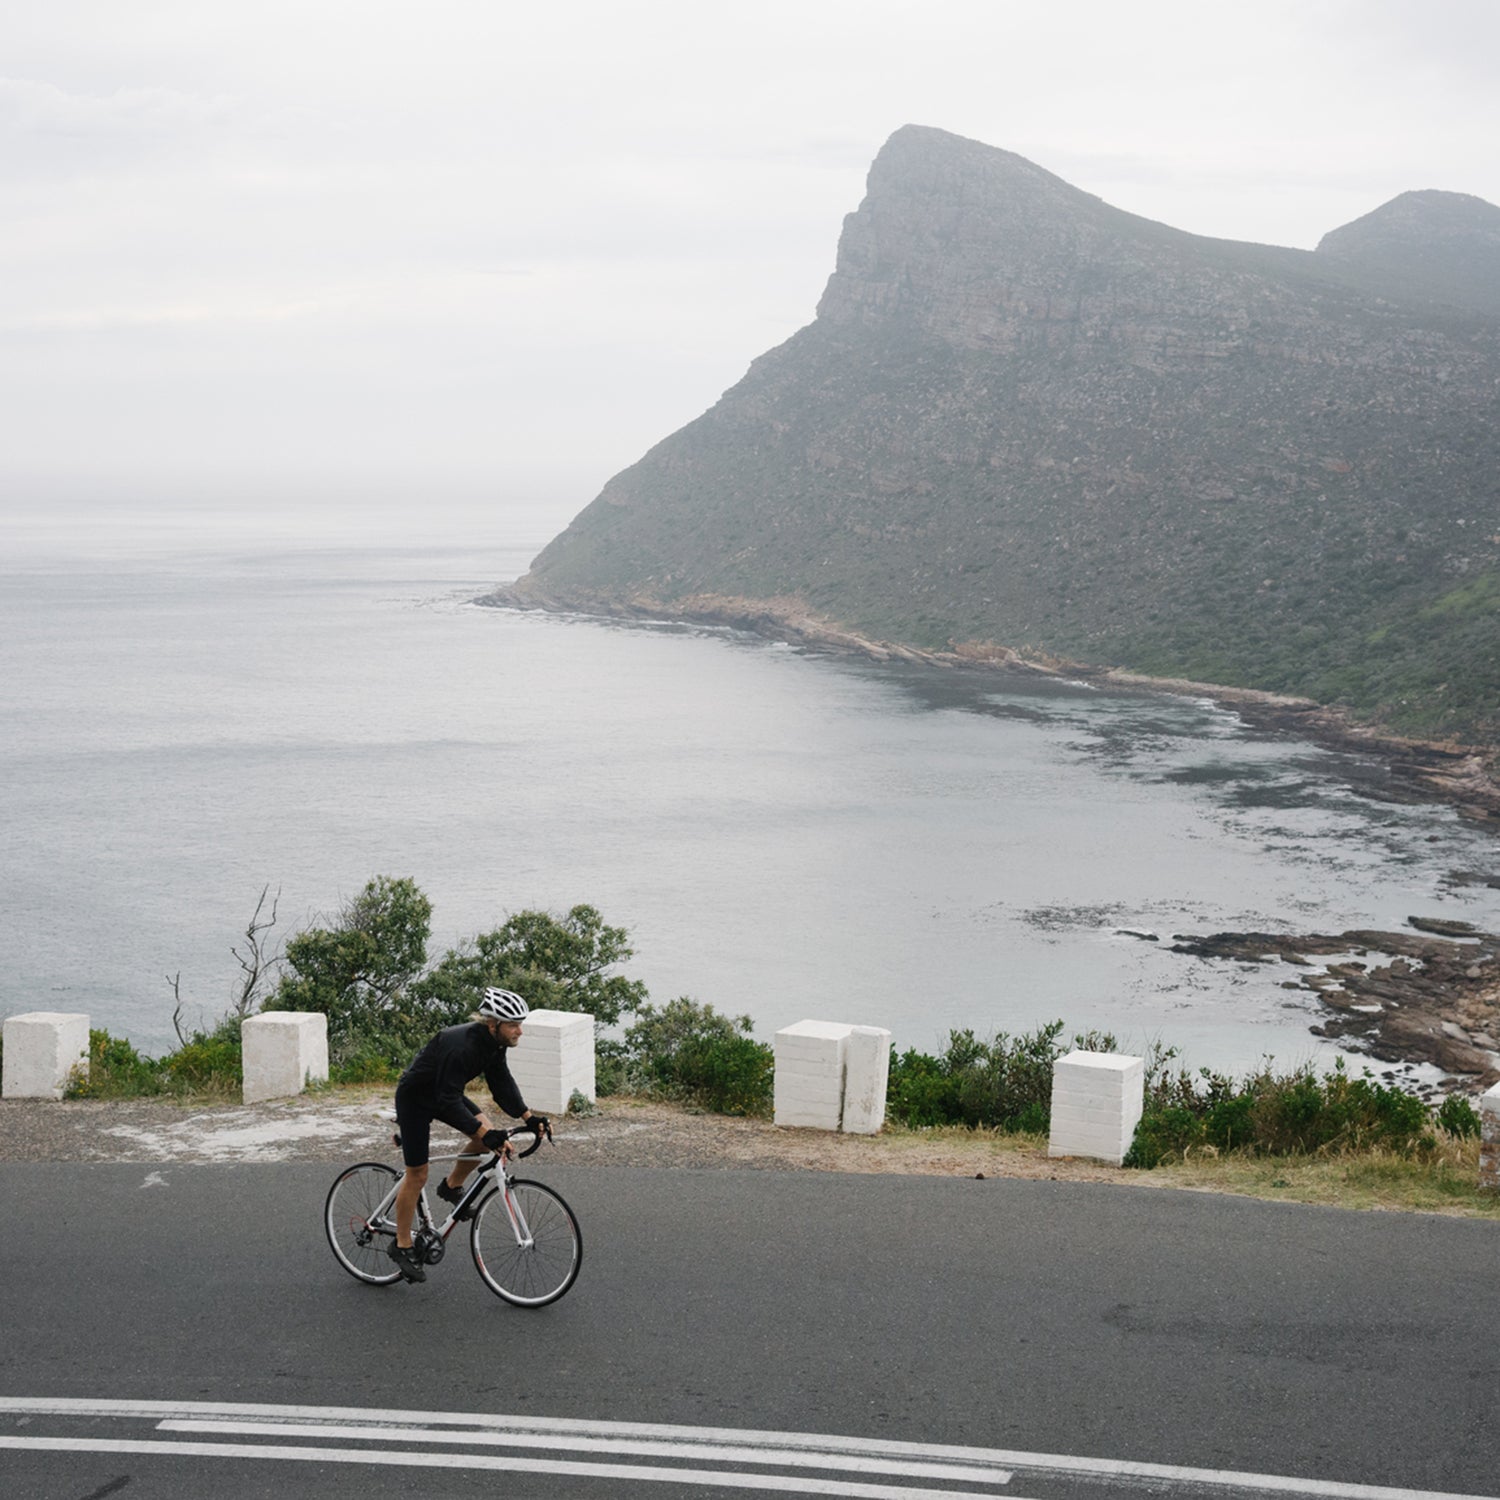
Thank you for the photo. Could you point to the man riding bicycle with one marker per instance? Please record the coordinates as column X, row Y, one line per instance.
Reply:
column 432, row 1088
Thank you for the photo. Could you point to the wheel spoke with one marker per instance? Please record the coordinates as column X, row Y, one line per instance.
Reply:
column 533, row 1274
column 358, row 1239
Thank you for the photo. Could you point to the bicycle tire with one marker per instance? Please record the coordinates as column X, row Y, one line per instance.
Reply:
column 529, row 1276
column 356, row 1193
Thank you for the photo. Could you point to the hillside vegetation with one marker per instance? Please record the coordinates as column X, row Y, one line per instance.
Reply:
column 1024, row 419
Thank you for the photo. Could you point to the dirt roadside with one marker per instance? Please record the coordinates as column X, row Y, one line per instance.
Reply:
column 343, row 1125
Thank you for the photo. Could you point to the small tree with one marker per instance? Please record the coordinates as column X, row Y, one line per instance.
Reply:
column 557, row 963
column 357, row 969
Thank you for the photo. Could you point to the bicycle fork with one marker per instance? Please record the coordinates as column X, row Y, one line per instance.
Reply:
column 517, row 1217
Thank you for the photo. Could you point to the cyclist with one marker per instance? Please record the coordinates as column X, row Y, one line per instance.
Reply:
column 432, row 1088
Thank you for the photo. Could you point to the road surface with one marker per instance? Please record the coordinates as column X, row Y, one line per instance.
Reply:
column 181, row 1331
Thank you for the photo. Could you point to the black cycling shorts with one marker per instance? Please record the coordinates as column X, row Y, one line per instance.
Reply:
column 414, row 1119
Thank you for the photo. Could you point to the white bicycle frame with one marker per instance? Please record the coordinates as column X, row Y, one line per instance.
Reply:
column 383, row 1219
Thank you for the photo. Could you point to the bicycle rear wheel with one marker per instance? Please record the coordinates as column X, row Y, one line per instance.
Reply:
column 359, row 1246
column 533, row 1274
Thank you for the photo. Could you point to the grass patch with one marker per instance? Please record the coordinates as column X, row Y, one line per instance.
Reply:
column 1444, row 1180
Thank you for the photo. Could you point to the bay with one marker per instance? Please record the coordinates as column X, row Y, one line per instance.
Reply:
column 188, row 716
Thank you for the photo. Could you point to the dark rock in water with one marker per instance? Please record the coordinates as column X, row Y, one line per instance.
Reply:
column 1442, row 927
column 1435, row 999
column 1145, row 937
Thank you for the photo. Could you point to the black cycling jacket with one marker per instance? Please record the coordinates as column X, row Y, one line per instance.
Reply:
column 438, row 1073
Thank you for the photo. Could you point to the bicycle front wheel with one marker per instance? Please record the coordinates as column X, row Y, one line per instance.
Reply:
column 359, row 1240
column 531, row 1259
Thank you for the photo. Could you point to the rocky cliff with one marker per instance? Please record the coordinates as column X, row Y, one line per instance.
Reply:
column 1026, row 421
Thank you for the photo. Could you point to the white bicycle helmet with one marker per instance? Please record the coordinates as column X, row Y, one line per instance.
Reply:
column 503, row 1005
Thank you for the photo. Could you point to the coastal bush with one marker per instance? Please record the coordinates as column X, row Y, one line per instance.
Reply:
column 116, row 1071
column 1458, row 1117
column 1004, row 1083
column 690, row 1051
column 1295, row 1113
column 366, row 970
column 207, row 1062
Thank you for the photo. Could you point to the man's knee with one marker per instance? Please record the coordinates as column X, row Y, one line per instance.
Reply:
column 417, row 1175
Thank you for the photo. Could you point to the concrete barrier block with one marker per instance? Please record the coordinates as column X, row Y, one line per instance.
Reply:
column 1097, row 1099
column 809, row 1077
column 42, row 1049
column 867, row 1069
column 283, row 1051
column 555, row 1057
column 1489, row 1135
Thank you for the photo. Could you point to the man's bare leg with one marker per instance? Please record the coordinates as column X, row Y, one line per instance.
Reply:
column 406, row 1203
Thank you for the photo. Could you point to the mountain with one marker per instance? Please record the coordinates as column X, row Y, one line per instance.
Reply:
column 1024, row 421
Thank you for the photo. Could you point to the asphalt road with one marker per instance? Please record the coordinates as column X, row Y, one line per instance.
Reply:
column 1086, row 1327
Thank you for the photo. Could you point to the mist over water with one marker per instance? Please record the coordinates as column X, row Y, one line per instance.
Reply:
column 189, row 717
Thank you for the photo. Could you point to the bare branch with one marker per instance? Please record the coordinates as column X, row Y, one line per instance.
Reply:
column 175, row 980
column 260, row 960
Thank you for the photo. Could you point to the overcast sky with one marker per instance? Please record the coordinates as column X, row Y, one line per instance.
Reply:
column 293, row 254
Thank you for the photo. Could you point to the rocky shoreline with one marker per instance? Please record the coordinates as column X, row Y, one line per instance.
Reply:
column 1431, row 995
column 1459, row 776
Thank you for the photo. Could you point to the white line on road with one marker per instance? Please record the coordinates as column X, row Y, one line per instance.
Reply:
column 722, row 1453
column 565, row 1429
column 509, row 1463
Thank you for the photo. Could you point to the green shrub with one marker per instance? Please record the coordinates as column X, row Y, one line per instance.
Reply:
column 918, row 1091
column 611, row 1067
column 1269, row 1114
column 691, row 1051
column 1458, row 1117
column 1165, row 1133
column 1004, row 1083
column 208, row 1061
column 370, row 1062
column 116, row 1071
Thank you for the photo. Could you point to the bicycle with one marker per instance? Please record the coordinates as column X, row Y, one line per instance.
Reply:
column 524, row 1238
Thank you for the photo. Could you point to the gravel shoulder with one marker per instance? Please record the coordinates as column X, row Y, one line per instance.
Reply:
column 342, row 1125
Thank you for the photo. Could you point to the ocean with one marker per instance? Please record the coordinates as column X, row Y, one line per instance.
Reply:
column 189, row 716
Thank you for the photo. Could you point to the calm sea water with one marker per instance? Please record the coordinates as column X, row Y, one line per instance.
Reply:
column 184, row 722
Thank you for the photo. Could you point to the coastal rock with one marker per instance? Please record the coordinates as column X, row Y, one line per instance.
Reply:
column 1434, row 1000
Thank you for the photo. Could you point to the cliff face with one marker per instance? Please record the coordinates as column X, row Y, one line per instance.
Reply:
column 1025, row 419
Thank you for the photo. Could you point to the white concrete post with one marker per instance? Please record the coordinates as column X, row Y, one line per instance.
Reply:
column 867, row 1070
column 809, row 1079
column 42, row 1048
column 555, row 1057
column 1489, row 1136
column 1097, row 1099
column 283, row 1051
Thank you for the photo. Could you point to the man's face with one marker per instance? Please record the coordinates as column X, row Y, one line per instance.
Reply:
column 510, row 1033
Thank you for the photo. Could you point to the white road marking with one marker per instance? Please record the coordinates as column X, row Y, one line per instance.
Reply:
column 724, row 1453
column 510, row 1463
column 566, row 1431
